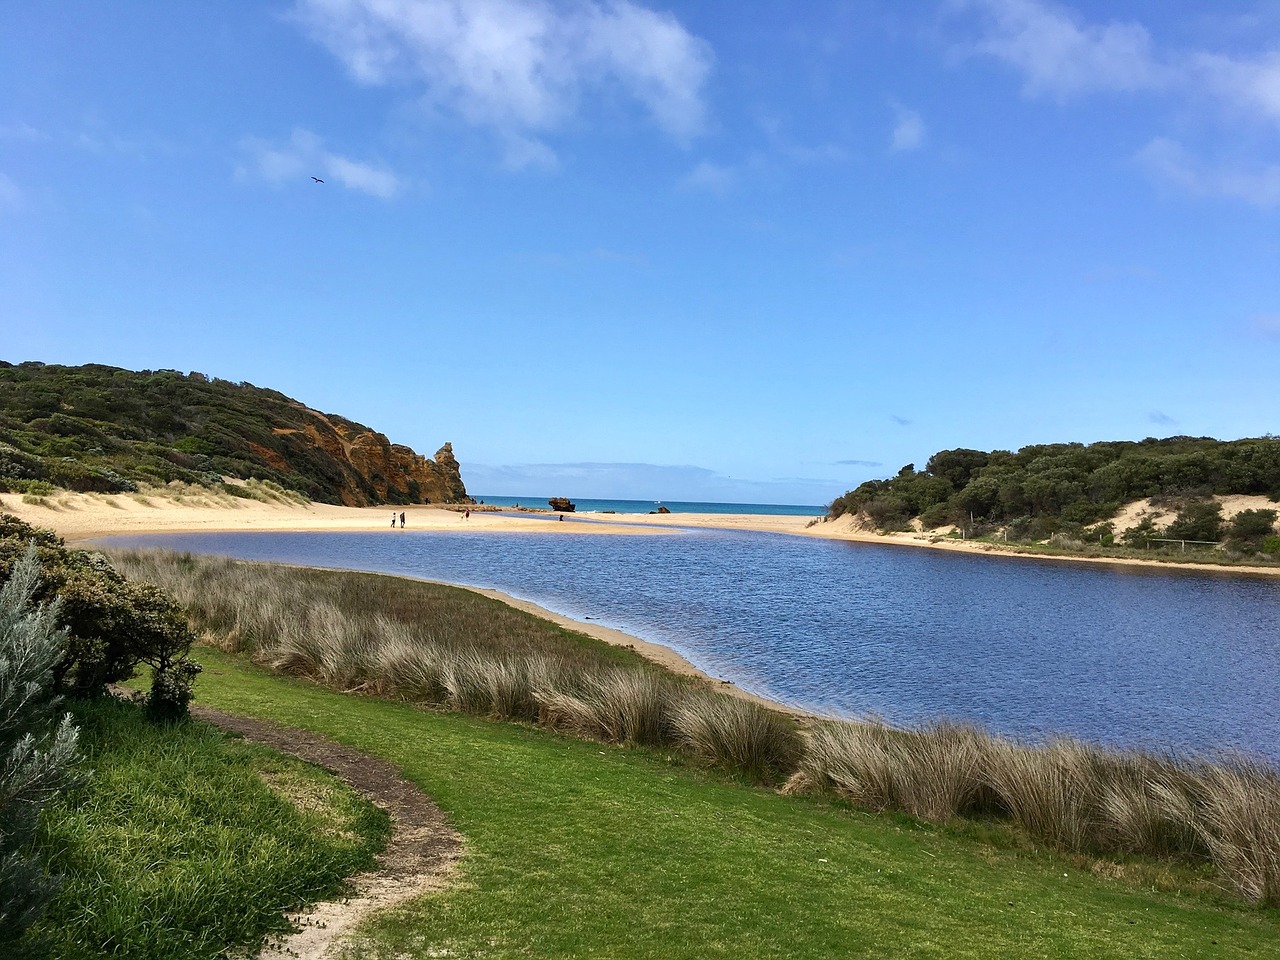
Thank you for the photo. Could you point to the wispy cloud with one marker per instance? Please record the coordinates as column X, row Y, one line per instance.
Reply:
column 900, row 421
column 858, row 463
column 305, row 156
column 1168, row 161
column 1162, row 419
column 710, row 178
column 519, row 67
column 908, row 131
column 22, row 132
column 1060, row 55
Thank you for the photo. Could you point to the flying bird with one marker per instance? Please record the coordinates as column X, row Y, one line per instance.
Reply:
column 317, row 180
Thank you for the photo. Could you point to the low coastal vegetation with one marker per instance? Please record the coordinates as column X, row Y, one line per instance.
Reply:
column 101, row 429
column 442, row 646
column 1068, row 495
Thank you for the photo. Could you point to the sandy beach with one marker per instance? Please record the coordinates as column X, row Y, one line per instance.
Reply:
column 83, row 518
column 78, row 517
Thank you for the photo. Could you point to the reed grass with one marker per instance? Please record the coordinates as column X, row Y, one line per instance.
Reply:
column 443, row 646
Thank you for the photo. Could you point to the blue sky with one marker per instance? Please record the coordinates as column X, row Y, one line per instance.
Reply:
column 693, row 250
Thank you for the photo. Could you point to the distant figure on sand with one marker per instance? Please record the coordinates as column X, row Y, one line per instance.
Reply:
column 393, row 519
column 401, row 519
column 468, row 514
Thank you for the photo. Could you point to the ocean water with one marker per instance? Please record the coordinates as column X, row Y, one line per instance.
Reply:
column 585, row 505
column 1034, row 649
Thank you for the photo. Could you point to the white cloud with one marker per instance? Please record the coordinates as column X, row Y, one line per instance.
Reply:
column 710, row 177
column 909, row 131
column 519, row 67
column 304, row 156
column 1249, row 86
column 1059, row 55
column 1256, row 184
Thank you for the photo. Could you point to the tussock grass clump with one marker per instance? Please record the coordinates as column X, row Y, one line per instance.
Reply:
column 1238, row 819
column 618, row 706
column 1048, row 791
column 739, row 734
column 933, row 773
column 448, row 647
column 1068, row 795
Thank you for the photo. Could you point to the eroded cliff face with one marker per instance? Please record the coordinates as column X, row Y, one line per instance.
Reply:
column 374, row 470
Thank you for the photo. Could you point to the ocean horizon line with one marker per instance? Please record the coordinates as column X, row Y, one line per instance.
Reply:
column 627, row 505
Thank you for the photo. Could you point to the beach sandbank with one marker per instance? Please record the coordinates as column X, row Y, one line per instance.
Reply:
column 78, row 517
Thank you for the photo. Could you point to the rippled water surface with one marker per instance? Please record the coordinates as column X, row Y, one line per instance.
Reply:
column 1160, row 659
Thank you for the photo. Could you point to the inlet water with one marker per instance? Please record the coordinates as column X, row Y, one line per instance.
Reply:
column 1119, row 655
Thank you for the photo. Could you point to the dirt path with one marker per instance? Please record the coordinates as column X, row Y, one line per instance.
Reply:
column 418, row 858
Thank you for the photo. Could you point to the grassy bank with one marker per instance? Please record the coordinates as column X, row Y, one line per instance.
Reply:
column 186, row 842
column 446, row 646
column 578, row 851
column 443, row 646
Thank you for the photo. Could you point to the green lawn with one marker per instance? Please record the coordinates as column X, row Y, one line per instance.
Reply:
column 185, row 841
column 575, row 850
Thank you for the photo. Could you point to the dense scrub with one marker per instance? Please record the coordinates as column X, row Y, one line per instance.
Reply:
column 96, row 428
column 114, row 625
column 439, row 645
column 1046, row 489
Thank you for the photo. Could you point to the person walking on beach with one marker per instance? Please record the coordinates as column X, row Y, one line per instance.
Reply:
column 401, row 519
column 393, row 519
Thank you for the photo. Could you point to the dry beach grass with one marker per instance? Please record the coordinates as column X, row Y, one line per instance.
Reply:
column 450, row 648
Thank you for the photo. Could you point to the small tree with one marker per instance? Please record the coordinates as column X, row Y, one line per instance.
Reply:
column 1250, row 529
column 1198, row 520
column 38, row 750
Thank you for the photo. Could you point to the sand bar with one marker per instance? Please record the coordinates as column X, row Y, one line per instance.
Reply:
column 78, row 517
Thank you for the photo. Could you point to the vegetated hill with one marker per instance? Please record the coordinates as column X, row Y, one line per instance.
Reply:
column 104, row 429
column 1044, row 489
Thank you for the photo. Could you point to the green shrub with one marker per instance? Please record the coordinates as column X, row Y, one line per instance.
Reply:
column 1249, row 530
column 38, row 749
column 1198, row 520
column 115, row 624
